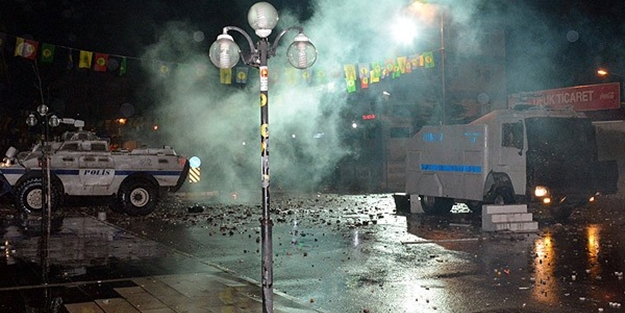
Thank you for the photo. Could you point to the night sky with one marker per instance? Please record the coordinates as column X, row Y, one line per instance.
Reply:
column 571, row 37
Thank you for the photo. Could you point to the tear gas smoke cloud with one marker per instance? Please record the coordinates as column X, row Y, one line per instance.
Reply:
column 199, row 116
column 219, row 123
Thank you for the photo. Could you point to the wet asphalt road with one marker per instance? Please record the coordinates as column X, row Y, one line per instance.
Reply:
column 354, row 253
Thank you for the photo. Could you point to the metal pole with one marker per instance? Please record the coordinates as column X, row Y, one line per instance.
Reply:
column 44, row 172
column 265, row 222
column 444, row 104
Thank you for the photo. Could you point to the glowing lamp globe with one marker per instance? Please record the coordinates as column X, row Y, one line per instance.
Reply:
column 262, row 17
column 301, row 53
column 224, row 52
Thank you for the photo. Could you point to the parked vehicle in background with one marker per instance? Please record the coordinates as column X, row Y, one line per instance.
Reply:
column 82, row 164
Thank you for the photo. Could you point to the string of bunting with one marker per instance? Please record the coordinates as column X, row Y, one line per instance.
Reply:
column 356, row 75
column 73, row 58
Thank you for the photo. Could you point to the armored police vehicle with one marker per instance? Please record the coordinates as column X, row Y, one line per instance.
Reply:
column 528, row 155
column 82, row 164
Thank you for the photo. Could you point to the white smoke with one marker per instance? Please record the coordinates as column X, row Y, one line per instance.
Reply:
column 220, row 123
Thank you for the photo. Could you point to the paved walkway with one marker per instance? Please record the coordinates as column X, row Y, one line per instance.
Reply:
column 182, row 293
column 96, row 267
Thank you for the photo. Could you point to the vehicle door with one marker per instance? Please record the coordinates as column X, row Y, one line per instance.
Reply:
column 96, row 166
column 512, row 154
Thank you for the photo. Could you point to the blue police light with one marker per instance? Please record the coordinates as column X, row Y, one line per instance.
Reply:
column 195, row 162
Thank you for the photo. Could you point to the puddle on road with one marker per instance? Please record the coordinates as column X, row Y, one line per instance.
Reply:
column 579, row 263
column 74, row 245
column 41, row 270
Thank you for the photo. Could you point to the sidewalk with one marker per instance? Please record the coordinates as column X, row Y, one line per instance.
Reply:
column 96, row 267
column 204, row 292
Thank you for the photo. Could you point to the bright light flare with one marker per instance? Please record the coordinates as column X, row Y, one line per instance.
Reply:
column 424, row 12
column 541, row 191
column 195, row 162
column 602, row 72
column 404, row 30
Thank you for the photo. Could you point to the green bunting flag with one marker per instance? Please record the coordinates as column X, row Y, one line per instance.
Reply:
column 47, row 53
column 241, row 77
column 429, row 59
column 351, row 85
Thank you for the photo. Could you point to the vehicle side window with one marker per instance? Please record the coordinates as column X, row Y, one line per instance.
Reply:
column 98, row 147
column 70, row 147
column 512, row 135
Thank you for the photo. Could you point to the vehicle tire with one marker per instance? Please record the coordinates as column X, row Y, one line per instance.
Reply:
column 29, row 195
column 182, row 178
column 137, row 197
column 561, row 213
column 475, row 207
column 436, row 205
column 504, row 195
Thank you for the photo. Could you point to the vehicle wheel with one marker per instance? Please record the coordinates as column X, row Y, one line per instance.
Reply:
column 182, row 178
column 504, row 195
column 561, row 213
column 29, row 196
column 475, row 207
column 137, row 197
column 436, row 205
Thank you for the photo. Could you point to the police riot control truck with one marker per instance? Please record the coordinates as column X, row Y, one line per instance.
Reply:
column 82, row 164
column 526, row 155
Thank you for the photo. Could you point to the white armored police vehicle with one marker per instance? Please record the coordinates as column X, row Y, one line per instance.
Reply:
column 82, row 164
column 530, row 155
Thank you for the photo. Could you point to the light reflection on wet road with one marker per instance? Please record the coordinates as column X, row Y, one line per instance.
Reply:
column 354, row 254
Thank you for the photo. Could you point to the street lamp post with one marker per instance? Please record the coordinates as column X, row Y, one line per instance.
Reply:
column 443, row 56
column 45, row 120
column 225, row 53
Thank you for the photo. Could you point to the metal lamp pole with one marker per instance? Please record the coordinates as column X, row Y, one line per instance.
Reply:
column 225, row 53
column 443, row 56
column 46, row 121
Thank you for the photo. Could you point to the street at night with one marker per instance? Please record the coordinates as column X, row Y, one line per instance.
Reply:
column 332, row 253
column 426, row 156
